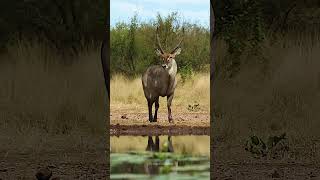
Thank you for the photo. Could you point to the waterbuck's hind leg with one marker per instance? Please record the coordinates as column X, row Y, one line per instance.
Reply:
column 150, row 103
column 156, row 110
column 150, row 146
column 170, row 146
column 169, row 101
column 157, row 144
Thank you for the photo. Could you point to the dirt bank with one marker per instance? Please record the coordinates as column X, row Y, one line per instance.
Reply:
column 182, row 118
column 156, row 130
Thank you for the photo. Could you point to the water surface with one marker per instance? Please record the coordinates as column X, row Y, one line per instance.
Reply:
column 160, row 157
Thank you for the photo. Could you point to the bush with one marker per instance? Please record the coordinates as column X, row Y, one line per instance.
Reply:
column 133, row 45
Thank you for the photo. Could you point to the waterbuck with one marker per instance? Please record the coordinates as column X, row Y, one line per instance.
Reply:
column 160, row 80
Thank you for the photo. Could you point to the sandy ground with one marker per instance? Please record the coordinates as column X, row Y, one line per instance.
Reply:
column 134, row 117
column 269, row 170
column 190, row 119
column 134, row 121
column 232, row 162
column 64, row 165
column 66, row 157
column 126, row 122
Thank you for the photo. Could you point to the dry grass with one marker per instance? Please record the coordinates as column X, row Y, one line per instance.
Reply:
column 129, row 94
column 39, row 95
column 280, row 95
column 51, row 113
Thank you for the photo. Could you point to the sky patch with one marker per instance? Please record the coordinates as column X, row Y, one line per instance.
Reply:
column 192, row 11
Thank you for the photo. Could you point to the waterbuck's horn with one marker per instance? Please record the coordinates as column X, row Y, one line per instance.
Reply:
column 179, row 44
column 158, row 41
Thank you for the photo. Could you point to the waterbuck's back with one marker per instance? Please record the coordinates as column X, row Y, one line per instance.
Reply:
column 155, row 82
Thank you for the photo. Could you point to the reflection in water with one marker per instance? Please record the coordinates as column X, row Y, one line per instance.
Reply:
column 189, row 145
column 163, row 157
column 154, row 147
column 151, row 168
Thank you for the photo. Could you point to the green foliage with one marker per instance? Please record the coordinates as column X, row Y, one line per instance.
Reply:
column 68, row 26
column 186, row 73
column 133, row 45
column 135, row 165
column 243, row 25
column 274, row 145
column 242, row 29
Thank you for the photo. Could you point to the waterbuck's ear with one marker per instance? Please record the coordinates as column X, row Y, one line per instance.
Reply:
column 177, row 51
column 158, row 52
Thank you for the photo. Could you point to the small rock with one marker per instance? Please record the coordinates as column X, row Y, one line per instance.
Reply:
column 275, row 174
column 44, row 174
column 312, row 175
column 3, row 170
column 124, row 116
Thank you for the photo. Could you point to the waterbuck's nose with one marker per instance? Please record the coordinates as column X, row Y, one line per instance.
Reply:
column 165, row 66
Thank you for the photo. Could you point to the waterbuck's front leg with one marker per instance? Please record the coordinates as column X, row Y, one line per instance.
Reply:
column 169, row 101
column 156, row 110
column 150, row 103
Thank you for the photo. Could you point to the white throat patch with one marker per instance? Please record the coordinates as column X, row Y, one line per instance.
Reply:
column 173, row 69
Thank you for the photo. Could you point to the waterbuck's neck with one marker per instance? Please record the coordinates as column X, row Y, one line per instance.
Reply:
column 172, row 69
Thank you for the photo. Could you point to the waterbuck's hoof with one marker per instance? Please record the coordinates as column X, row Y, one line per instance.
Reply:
column 170, row 120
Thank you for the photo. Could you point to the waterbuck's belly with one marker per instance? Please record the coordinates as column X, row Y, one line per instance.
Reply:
column 155, row 82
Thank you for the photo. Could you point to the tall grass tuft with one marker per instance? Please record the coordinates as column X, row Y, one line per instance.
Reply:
column 272, row 94
column 40, row 94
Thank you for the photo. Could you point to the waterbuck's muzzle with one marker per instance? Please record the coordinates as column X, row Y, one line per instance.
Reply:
column 165, row 66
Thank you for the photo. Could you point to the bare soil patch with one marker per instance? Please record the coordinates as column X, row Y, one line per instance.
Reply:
column 64, row 165
column 233, row 162
column 139, row 116
column 156, row 130
column 267, row 170
column 133, row 123
column 66, row 156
